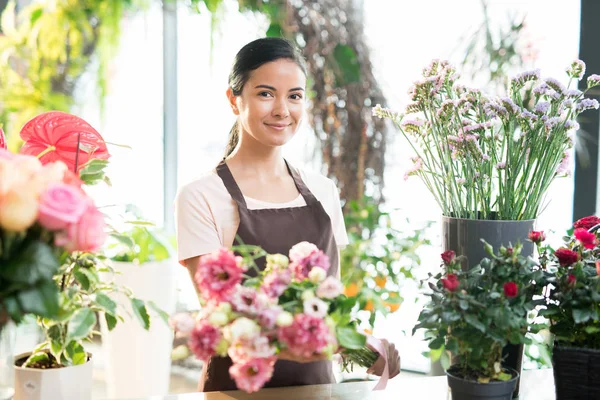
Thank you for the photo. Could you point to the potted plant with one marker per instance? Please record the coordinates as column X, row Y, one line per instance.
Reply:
column 143, row 261
column 49, row 227
column 474, row 313
column 573, row 308
column 489, row 161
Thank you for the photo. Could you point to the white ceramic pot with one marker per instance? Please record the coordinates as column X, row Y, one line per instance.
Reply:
column 138, row 362
column 56, row 383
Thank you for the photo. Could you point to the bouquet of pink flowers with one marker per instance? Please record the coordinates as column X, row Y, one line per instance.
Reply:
column 292, row 309
column 44, row 215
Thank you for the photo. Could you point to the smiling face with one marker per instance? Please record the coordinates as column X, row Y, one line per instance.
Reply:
column 271, row 105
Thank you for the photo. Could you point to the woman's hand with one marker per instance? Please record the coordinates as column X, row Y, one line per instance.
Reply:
column 286, row 355
column 393, row 360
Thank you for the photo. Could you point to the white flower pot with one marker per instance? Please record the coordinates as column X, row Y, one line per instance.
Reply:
column 138, row 362
column 56, row 383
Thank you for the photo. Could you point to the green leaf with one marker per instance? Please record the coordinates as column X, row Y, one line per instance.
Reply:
column 81, row 324
column 445, row 360
column 452, row 345
column 106, row 303
column 437, row 342
column 35, row 262
column 464, row 305
column 140, row 311
column 474, row 322
column 274, row 30
column 581, row 315
column 111, row 321
column 349, row 338
column 592, row 329
column 36, row 357
column 41, row 299
column 347, row 67
column 75, row 353
column 82, row 279
column 162, row 314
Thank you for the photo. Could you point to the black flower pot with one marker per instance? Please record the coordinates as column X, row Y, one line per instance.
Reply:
column 463, row 236
column 463, row 389
column 576, row 373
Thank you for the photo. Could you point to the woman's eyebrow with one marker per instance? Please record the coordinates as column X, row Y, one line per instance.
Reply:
column 273, row 89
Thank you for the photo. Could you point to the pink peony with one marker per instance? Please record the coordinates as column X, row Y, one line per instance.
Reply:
column 301, row 267
column 250, row 376
column 275, row 283
column 330, row 288
column 61, row 205
column 182, row 323
column 247, row 349
column 302, row 250
column 87, row 234
column 204, row 339
column 218, row 273
column 306, row 336
column 268, row 317
column 247, row 300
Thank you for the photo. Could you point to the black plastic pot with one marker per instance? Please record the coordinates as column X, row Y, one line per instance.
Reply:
column 463, row 389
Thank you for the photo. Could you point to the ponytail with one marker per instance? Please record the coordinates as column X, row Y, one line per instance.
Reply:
column 234, row 138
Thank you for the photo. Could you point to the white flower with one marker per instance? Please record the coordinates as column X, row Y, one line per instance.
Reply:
column 330, row 288
column 307, row 295
column 284, row 319
column 224, row 307
column 302, row 250
column 218, row 318
column 276, row 262
column 497, row 367
column 316, row 307
column 317, row 274
column 243, row 328
column 182, row 322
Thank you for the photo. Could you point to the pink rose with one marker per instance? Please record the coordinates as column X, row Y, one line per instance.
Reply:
column 251, row 375
column 60, row 206
column 87, row 234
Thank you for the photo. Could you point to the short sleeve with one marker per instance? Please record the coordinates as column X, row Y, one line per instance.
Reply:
column 337, row 218
column 196, row 229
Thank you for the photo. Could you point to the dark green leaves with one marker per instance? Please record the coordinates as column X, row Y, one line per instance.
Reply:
column 346, row 65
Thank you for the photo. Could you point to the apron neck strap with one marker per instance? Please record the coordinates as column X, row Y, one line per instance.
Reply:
column 232, row 187
column 234, row 190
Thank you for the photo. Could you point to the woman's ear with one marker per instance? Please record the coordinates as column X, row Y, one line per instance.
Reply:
column 232, row 101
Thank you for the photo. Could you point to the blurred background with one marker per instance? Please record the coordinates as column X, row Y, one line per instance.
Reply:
column 151, row 77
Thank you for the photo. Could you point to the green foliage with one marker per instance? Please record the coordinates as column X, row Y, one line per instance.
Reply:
column 475, row 317
column 378, row 258
column 573, row 295
column 46, row 48
column 82, row 296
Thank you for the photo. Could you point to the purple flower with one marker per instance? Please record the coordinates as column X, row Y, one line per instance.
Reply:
column 551, row 122
column 418, row 164
column 541, row 89
column 556, row 85
column 541, row 107
column 587, row 104
column 501, row 165
column 381, row 112
column 593, row 80
column 525, row 77
column 461, row 181
column 571, row 125
column 577, row 69
column 573, row 93
column 564, row 168
column 510, row 105
column 411, row 125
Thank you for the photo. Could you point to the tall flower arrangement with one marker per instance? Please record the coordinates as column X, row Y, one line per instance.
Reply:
column 487, row 157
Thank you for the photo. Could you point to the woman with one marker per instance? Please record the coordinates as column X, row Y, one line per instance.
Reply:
column 257, row 195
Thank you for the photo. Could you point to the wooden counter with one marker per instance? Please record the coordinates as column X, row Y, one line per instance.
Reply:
column 535, row 385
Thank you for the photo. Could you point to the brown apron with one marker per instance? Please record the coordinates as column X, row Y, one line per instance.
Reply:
column 276, row 231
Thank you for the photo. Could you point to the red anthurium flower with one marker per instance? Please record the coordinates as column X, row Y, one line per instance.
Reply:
column 451, row 282
column 2, row 139
column 53, row 136
column 448, row 257
column 566, row 257
column 537, row 236
column 587, row 239
column 511, row 289
column 587, row 222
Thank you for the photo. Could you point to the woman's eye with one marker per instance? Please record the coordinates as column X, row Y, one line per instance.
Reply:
column 296, row 96
column 264, row 94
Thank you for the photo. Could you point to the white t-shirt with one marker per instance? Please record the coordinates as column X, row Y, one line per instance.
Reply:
column 207, row 217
